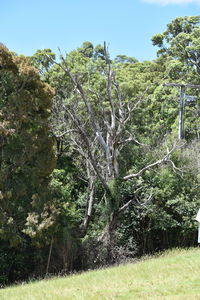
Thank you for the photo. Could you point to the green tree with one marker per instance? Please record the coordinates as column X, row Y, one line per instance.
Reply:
column 179, row 53
column 27, row 156
column 40, row 61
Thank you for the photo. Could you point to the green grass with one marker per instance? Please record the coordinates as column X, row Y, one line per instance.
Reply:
column 173, row 275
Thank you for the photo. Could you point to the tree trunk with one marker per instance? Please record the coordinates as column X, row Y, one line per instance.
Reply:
column 49, row 256
column 90, row 205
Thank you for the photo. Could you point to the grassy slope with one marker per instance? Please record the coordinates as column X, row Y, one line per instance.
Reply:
column 174, row 275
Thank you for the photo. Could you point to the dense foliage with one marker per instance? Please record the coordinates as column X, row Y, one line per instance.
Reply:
column 122, row 184
column 27, row 159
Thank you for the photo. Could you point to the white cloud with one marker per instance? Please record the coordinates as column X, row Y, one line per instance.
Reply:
column 165, row 2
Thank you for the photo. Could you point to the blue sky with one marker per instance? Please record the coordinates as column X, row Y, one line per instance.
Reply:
column 127, row 25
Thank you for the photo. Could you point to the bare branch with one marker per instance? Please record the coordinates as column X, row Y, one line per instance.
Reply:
column 125, row 206
column 173, row 166
column 131, row 139
column 64, row 133
column 165, row 159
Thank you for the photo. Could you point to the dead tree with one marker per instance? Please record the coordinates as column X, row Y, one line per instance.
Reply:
column 100, row 134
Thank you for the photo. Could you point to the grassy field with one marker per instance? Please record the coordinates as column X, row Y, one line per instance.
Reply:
column 173, row 275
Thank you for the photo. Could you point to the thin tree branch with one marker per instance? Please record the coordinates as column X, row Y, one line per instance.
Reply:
column 156, row 163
